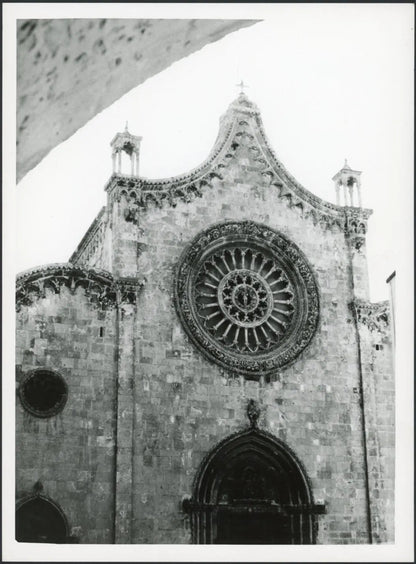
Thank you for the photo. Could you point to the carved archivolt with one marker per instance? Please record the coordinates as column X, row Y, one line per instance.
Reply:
column 101, row 289
column 247, row 297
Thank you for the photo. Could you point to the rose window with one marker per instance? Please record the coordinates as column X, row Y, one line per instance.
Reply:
column 247, row 297
column 244, row 299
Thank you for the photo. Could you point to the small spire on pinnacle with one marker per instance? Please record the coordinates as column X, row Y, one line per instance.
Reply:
column 241, row 85
column 126, row 129
column 347, row 182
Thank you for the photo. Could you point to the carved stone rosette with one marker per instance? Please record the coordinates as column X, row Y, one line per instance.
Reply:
column 376, row 317
column 247, row 297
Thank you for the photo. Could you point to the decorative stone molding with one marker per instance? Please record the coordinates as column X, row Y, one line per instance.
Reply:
column 98, row 284
column 128, row 290
column 376, row 317
column 241, row 129
column 356, row 220
column 355, row 226
column 139, row 199
column 272, row 308
column 101, row 289
column 357, row 243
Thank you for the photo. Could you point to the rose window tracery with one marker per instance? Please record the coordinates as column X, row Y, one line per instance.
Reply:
column 244, row 299
column 247, row 297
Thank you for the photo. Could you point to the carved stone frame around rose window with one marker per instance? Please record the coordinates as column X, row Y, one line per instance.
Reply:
column 296, row 267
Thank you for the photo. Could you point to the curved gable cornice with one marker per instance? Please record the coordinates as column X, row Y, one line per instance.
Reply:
column 241, row 129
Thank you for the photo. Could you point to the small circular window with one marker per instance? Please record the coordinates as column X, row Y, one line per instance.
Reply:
column 43, row 393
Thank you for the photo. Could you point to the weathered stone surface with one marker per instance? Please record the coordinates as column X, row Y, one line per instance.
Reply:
column 332, row 406
column 73, row 452
column 69, row 70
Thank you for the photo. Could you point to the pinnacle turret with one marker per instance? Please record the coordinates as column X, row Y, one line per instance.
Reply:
column 127, row 143
column 348, row 179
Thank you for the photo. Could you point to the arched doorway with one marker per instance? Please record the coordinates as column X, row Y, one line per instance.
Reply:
column 38, row 519
column 251, row 489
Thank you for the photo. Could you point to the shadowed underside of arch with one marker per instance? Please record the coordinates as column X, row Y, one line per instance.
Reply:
column 251, row 489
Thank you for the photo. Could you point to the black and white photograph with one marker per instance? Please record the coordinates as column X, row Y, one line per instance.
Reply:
column 208, row 288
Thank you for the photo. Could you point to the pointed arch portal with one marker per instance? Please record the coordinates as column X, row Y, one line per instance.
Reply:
column 251, row 489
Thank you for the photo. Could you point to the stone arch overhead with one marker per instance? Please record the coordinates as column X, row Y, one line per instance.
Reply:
column 99, row 285
column 104, row 58
column 240, row 127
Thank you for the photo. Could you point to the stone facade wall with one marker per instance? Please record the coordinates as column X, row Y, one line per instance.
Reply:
column 185, row 405
column 73, row 453
column 332, row 406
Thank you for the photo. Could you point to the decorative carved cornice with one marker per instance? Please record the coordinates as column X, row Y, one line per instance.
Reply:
column 241, row 129
column 98, row 284
column 139, row 199
column 376, row 316
column 101, row 289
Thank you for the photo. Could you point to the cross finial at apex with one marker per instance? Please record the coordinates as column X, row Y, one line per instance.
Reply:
column 242, row 85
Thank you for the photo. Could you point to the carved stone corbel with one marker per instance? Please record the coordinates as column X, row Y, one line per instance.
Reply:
column 376, row 317
column 128, row 290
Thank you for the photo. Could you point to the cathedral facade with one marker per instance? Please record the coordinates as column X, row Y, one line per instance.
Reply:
column 207, row 367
